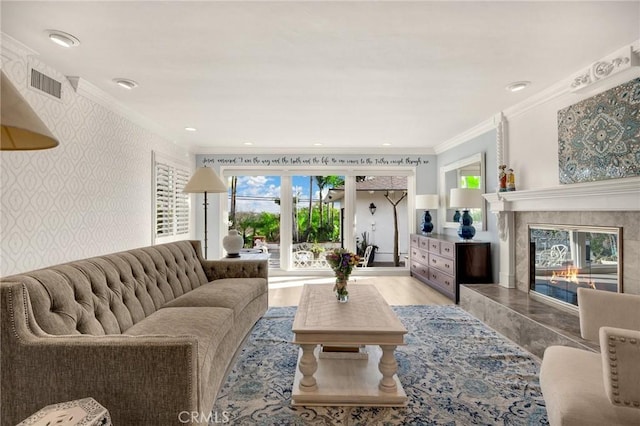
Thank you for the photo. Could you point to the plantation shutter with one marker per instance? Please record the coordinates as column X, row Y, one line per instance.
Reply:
column 171, row 204
column 182, row 202
column 164, row 200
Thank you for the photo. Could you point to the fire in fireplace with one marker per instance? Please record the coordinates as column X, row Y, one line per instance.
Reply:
column 565, row 257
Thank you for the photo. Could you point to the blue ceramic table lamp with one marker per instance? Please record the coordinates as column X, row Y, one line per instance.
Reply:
column 466, row 199
column 426, row 202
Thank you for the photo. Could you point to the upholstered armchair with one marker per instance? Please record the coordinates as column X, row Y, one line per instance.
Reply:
column 583, row 388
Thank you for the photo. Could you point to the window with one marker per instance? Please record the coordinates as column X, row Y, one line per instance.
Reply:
column 301, row 216
column 171, row 205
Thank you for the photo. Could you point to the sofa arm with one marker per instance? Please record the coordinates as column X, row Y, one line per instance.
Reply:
column 620, row 350
column 219, row 269
column 139, row 379
column 606, row 309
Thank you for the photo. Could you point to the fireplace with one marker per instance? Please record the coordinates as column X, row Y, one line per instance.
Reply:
column 563, row 258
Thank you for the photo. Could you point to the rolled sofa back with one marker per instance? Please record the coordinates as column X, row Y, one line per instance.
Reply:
column 108, row 294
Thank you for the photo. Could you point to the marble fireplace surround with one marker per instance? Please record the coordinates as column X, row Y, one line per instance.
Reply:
column 613, row 203
column 507, row 306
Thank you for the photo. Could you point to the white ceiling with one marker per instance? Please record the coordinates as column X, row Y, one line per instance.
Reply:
column 349, row 75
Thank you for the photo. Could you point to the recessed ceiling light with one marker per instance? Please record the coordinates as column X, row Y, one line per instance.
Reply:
column 63, row 39
column 386, row 144
column 518, row 86
column 190, row 129
column 317, row 144
column 125, row 83
column 248, row 143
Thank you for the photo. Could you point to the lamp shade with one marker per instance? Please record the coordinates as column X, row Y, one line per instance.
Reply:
column 427, row 201
column 22, row 129
column 465, row 198
column 205, row 179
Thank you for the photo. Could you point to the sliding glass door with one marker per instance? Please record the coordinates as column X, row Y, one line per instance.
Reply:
column 316, row 219
column 253, row 206
column 297, row 218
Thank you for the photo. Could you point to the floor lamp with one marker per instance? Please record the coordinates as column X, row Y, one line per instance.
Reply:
column 203, row 181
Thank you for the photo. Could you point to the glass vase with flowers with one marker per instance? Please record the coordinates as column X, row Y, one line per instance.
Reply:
column 342, row 261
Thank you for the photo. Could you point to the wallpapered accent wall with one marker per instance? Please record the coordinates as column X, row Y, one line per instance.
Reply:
column 89, row 196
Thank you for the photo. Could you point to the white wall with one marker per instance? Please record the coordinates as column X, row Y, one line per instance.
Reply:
column 532, row 149
column 89, row 196
column 381, row 234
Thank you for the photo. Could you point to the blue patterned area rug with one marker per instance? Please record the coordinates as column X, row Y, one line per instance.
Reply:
column 454, row 369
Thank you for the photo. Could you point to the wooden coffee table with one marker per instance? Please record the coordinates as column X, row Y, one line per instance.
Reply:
column 365, row 320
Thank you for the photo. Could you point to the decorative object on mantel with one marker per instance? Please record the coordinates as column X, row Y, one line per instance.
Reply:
column 372, row 208
column 205, row 180
column 598, row 137
column 232, row 243
column 466, row 199
column 506, row 179
column 342, row 261
column 22, row 129
column 427, row 202
column 502, row 178
column 511, row 180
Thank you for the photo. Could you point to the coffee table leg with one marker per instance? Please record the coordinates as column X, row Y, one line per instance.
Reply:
column 308, row 366
column 388, row 367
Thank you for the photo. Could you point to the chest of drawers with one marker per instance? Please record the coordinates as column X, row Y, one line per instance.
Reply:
column 444, row 263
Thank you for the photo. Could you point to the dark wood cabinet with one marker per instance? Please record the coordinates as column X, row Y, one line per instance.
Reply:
column 444, row 262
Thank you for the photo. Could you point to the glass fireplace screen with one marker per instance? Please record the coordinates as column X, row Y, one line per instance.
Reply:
column 565, row 257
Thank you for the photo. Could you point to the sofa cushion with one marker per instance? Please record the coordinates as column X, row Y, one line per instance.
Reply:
column 232, row 293
column 573, row 389
column 208, row 325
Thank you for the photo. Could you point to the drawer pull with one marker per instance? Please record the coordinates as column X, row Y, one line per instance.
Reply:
column 423, row 256
column 447, row 283
column 447, row 250
column 447, row 265
column 433, row 261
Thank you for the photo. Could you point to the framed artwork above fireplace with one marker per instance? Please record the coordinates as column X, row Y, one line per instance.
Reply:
column 599, row 137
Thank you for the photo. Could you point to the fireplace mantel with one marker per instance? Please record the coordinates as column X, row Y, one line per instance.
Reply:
column 610, row 195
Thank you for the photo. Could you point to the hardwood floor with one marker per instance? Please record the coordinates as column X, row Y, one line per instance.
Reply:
column 396, row 290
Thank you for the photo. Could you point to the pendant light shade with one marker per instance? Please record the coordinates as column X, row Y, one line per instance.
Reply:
column 22, row 129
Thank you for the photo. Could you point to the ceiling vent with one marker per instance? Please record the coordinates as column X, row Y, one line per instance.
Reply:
column 46, row 84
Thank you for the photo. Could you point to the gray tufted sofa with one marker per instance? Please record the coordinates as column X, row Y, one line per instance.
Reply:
column 149, row 333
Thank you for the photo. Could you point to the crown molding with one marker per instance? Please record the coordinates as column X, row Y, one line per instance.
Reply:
column 556, row 90
column 12, row 49
column 87, row 90
column 564, row 86
column 479, row 129
column 620, row 61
